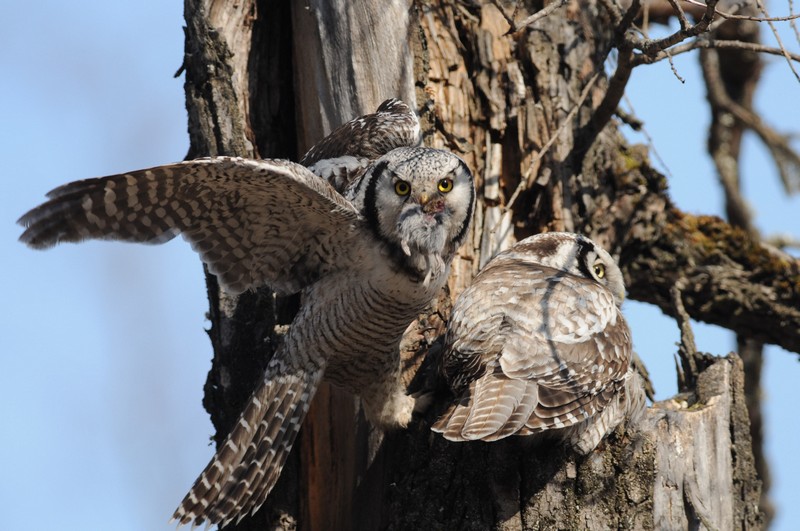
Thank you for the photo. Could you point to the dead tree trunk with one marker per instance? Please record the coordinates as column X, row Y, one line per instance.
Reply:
column 529, row 112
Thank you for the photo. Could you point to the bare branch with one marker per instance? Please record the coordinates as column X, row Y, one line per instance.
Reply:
column 731, row 280
column 640, row 59
column 616, row 88
column 723, row 144
column 793, row 22
column 509, row 18
column 731, row 16
column 653, row 46
column 672, row 66
column 786, row 158
column 681, row 15
column 540, row 14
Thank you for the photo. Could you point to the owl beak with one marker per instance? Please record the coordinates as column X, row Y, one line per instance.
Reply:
column 429, row 204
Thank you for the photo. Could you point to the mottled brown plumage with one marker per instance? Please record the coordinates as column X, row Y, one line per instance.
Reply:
column 538, row 344
column 344, row 154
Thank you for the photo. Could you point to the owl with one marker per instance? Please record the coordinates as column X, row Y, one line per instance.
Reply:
column 343, row 155
column 366, row 262
column 538, row 345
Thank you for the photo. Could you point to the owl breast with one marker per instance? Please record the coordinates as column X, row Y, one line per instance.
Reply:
column 357, row 317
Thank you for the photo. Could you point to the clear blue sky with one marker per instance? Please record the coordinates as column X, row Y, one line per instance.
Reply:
column 104, row 352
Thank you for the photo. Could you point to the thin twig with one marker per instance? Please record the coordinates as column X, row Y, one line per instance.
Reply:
column 684, row 22
column 763, row 9
column 731, row 16
column 509, row 18
column 672, row 66
column 640, row 59
column 539, row 14
column 652, row 47
column 793, row 22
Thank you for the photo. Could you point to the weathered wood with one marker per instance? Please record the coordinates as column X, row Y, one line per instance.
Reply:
column 349, row 56
column 695, row 469
column 347, row 60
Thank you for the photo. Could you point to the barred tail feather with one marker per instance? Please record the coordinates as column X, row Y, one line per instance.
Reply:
column 493, row 409
column 248, row 464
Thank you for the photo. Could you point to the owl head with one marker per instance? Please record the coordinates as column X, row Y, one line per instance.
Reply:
column 574, row 254
column 419, row 201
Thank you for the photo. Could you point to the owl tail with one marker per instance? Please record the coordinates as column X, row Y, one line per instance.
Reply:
column 491, row 409
column 627, row 405
column 247, row 465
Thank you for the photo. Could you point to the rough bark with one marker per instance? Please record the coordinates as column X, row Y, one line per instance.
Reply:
column 269, row 79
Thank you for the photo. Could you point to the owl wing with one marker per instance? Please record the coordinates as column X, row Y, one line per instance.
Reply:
column 531, row 349
column 345, row 154
column 254, row 222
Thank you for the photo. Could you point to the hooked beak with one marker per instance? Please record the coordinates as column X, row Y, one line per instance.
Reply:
column 430, row 204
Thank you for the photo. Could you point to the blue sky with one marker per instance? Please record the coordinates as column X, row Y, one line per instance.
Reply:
column 104, row 352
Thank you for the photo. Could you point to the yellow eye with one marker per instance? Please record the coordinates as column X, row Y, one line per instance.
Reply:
column 445, row 185
column 402, row 188
column 599, row 270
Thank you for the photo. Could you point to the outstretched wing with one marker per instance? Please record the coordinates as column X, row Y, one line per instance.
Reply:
column 552, row 352
column 254, row 222
column 345, row 153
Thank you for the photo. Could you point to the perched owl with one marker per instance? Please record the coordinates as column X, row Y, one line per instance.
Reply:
column 537, row 344
column 343, row 155
column 367, row 262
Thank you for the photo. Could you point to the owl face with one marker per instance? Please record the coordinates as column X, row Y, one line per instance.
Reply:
column 574, row 254
column 419, row 200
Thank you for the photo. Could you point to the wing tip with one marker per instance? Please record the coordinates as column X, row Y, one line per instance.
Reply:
column 36, row 236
